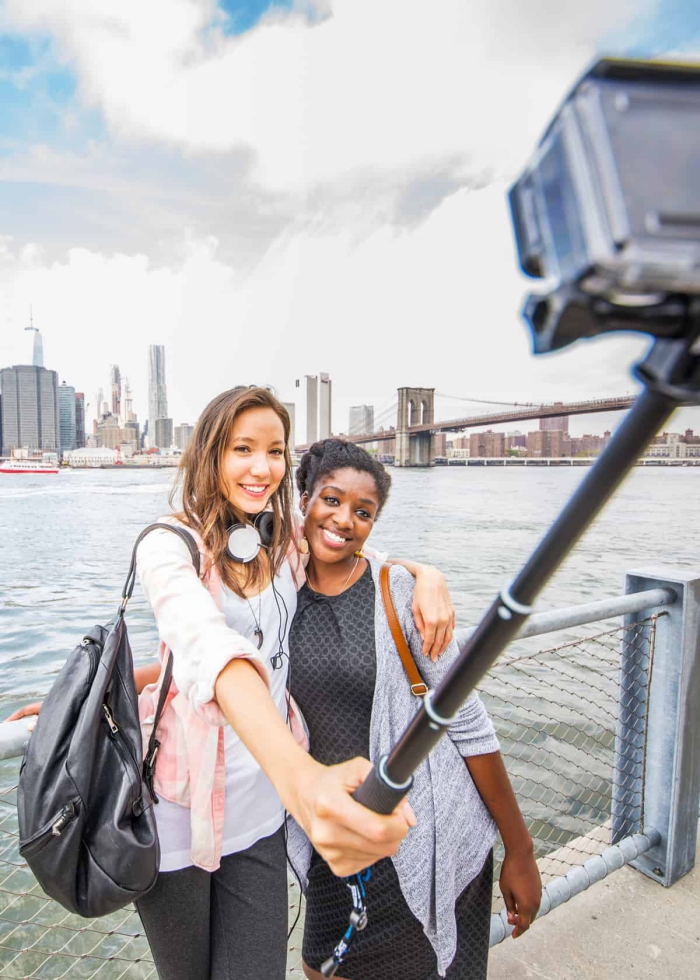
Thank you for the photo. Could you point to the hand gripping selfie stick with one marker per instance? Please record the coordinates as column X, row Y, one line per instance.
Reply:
column 626, row 255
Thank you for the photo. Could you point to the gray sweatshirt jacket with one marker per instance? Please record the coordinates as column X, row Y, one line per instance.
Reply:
column 455, row 831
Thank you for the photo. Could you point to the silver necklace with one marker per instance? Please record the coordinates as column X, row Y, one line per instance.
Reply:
column 345, row 583
column 258, row 628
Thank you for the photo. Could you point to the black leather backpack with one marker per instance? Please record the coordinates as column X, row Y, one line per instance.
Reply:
column 86, row 823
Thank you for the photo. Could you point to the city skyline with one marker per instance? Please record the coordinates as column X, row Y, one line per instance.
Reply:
column 308, row 231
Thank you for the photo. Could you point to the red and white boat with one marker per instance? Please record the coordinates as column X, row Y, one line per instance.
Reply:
column 26, row 466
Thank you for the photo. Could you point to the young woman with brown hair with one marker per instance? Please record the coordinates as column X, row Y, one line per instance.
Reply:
column 228, row 766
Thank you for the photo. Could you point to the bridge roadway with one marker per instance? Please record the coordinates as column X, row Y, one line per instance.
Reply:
column 523, row 414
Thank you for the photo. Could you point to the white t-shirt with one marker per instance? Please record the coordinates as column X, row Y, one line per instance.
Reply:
column 252, row 808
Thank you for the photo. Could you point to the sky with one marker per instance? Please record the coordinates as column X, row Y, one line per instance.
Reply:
column 273, row 190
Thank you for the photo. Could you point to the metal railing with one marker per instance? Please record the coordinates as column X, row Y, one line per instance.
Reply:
column 598, row 732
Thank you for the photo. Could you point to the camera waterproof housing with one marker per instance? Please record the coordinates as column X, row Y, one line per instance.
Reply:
column 608, row 208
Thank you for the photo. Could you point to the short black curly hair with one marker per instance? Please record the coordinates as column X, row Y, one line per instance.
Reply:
column 330, row 455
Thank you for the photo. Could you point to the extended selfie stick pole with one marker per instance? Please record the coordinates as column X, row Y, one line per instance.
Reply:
column 671, row 375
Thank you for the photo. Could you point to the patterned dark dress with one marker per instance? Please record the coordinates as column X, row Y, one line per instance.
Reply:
column 332, row 677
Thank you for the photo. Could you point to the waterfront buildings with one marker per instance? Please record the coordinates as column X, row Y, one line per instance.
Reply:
column 486, row 444
column 157, row 393
column 67, row 421
column 29, row 409
column 361, row 420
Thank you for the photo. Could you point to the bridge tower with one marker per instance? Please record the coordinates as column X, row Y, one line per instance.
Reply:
column 416, row 407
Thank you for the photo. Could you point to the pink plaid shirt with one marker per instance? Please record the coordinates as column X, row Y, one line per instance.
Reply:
column 191, row 765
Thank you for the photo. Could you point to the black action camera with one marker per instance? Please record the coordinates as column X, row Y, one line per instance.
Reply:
column 608, row 208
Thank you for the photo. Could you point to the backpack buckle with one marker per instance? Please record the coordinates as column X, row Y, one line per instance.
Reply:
column 419, row 689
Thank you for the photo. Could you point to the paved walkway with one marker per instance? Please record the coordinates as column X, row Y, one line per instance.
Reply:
column 625, row 927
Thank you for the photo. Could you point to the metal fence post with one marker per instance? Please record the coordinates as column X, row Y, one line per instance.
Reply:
column 658, row 744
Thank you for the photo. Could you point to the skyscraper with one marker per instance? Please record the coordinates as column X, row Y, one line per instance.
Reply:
column 361, row 420
column 157, row 396
column 324, row 407
column 311, row 394
column 115, row 380
column 291, row 411
column 29, row 408
column 79, row 420
column 37, row 343
column 67, row 428
column 183, row 434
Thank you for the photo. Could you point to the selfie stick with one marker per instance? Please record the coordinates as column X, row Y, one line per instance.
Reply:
column 671, row 375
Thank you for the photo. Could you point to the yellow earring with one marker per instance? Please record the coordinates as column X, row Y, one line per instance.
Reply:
column 359, row 554
column 304, row 546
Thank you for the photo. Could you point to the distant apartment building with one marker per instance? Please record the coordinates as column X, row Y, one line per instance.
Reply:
column 183, row 434
column 131, row 434
column 292, row 413
column 461, row 442
column 488, row 445
column 387, row 447
column 548, row 444
column 67, row 424
column 587, row 445
column 164, row 433
column 361, row 420
column 29, row 409
column 559, row 422
column 79, row 420
column 440, row 444
column 109, row 433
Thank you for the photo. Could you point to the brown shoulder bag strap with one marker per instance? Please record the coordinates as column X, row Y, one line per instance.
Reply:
column 418, row 685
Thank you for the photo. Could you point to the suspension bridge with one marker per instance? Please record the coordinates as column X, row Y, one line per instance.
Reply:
column 410, row 420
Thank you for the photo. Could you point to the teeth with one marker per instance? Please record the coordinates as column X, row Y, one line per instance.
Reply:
column 253, row 489
column 333, row 537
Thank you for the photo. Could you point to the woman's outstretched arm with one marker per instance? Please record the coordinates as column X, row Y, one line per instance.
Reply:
column 347, row 835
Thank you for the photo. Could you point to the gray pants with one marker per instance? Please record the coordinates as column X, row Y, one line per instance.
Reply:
column 228, row 925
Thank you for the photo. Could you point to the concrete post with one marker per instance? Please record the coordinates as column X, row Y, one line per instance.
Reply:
column 658, row 756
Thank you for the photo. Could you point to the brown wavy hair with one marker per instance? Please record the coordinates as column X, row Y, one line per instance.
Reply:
column 206, row 509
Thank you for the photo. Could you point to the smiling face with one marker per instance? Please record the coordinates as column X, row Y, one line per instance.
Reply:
column 253, row 464
column 340, row 514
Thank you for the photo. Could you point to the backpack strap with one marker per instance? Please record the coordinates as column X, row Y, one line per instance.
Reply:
column 131, row 575
column 418, row 685
column 149, row 762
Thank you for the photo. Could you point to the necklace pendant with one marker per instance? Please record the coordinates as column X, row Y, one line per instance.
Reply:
column 259, row 635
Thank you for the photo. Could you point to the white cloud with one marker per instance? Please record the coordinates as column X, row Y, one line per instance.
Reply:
column 378, row 263
column 385, row 86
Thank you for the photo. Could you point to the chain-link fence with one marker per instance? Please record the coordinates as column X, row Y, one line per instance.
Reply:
column 558, row 716
column 560, row 723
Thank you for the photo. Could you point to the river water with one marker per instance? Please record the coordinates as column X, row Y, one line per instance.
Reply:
column 65, row 543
